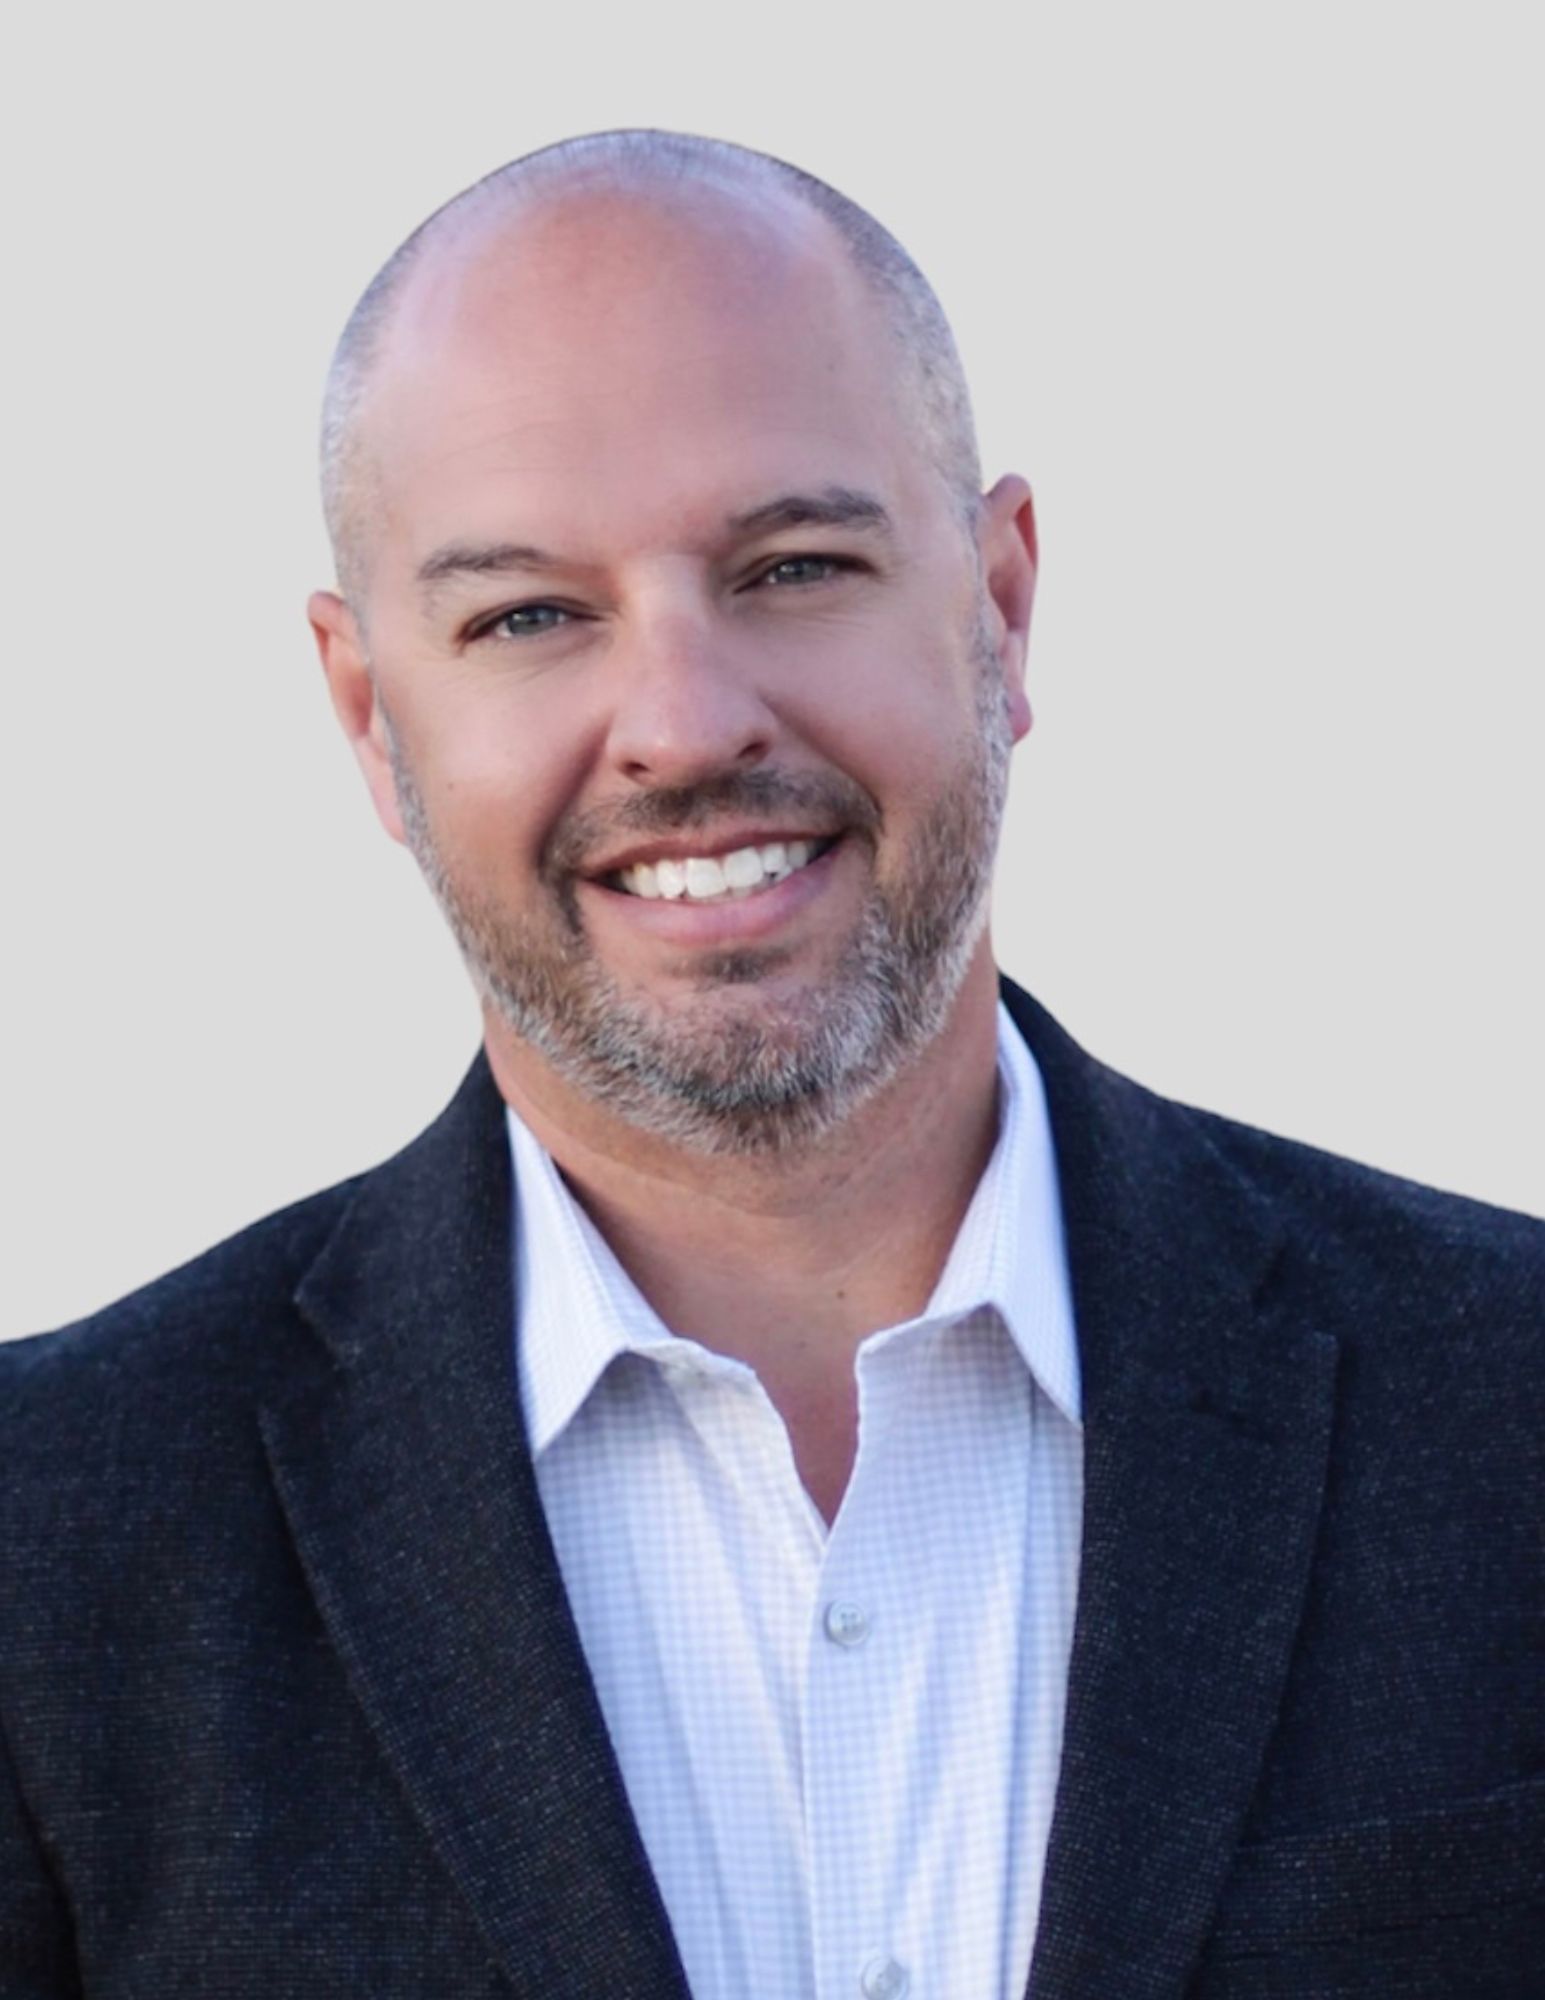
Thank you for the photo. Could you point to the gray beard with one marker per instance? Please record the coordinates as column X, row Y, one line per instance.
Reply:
column 716, row 1077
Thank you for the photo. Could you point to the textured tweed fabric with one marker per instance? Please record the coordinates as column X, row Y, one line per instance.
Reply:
column 292, row 1703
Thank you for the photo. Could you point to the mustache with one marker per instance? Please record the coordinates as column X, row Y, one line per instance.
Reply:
column 824, row 798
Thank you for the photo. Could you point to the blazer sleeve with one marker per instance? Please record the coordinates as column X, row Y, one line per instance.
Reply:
column 37, row 1956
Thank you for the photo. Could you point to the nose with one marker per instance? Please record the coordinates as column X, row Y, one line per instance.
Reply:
column 685, row 706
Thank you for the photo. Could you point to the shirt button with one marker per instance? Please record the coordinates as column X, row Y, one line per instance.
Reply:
column 883, row 1979
column 848, row 1625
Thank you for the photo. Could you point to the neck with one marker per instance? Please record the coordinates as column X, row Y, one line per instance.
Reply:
column 832, row 1239
column 787, row 1261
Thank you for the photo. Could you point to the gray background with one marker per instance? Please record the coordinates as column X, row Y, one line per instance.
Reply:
column 1251, row 294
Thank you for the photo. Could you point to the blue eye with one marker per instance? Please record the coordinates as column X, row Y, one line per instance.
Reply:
column 802, row 569
column 525, row 621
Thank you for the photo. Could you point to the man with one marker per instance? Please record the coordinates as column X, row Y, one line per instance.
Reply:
column 630, row 1543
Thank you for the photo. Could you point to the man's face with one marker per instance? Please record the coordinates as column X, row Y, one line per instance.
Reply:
column 687, row 692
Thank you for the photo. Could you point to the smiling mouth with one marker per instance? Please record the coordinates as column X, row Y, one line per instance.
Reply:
column 719, row 878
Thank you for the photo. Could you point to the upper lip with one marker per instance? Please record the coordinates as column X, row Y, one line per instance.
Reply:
column 708, row 843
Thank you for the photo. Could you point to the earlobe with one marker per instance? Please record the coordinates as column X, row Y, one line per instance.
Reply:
column 356, row 701
column 1020, row 717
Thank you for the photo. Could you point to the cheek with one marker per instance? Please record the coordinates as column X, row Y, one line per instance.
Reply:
column 494, row 780
column 895, row 721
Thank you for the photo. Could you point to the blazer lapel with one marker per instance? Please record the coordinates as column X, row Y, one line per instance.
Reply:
column 401, row 1462
column 1206, row 1429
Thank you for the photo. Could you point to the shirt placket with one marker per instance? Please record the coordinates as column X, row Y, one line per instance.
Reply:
column 856, row 1666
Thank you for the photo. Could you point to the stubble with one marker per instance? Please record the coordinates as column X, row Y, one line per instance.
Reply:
column 720, row 1071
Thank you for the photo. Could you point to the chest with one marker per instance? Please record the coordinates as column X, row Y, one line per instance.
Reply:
column 840, row 1745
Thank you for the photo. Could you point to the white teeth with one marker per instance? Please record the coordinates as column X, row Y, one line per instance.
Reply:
column 743, row 869
column 703, row 878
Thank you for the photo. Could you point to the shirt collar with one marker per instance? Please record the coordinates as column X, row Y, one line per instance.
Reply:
column 1009, row 1252
column 577, row 1309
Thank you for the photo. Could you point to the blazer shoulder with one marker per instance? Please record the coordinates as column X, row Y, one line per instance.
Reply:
column 1437, row 1301
column 178, row 1365
column 183, row 1332
column 1353, row 1210
column 1367, row 1255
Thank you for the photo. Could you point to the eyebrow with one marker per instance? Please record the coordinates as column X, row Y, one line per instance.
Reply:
column 482, row 559
column 831, row 507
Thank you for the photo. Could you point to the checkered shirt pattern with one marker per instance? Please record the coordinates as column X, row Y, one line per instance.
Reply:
column 841, row 1746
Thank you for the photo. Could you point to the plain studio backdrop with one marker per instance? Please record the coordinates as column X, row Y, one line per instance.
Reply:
column 1252, row 295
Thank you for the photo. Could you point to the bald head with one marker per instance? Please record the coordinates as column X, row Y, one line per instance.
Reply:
column 594, row 215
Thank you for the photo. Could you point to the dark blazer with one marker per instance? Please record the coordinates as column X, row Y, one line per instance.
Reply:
column 292, row 1704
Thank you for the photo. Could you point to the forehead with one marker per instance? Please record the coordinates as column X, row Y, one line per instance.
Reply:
column 607, row 367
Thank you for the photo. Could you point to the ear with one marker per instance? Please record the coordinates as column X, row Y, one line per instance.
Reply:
column 1010, row 556
column 356, row 700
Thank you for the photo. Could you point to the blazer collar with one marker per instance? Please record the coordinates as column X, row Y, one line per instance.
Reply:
column 1206, row 1428
column 401, row 1463
column 400, row 1459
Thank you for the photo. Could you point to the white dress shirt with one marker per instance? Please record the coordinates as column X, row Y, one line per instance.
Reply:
column 841, row 1746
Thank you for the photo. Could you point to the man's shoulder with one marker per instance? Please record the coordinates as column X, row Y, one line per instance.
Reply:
column 211, row 1321
column 1367, row 1239
column 214, row 1316
column 1359, row 1236
column 1348, row 1202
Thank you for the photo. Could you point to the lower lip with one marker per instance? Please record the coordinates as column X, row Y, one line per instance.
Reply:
column 738, row 921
